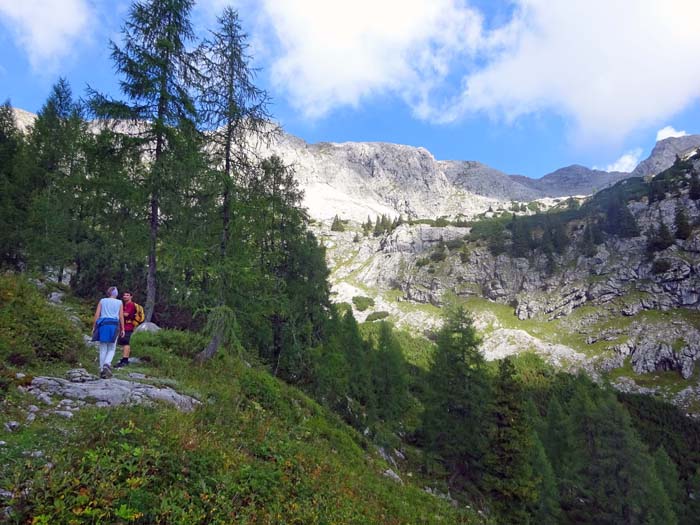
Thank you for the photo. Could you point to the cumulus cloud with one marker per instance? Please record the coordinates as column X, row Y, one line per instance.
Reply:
column 667, row 132
column 334, row 54
column 627, row 162
column 47, row 30
column 596, row 63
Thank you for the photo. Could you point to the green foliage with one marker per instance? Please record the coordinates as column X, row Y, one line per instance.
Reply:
column 377, row 316
column 30, row 329
column 439, row 254
column 456, row 408
column 509, row 479
column 659, row 239
column 362, row 303
column 660, row 266
column 694, row 190
column 292, row 462
column 154, row 347
column 338, row 225
column 681, row 223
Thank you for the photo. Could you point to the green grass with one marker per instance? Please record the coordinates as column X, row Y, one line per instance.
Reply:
column 256, row 451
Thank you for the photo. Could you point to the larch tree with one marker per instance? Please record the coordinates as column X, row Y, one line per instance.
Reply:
column 157, row 71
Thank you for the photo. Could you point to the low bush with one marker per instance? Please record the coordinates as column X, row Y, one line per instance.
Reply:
column 362, row 303
column 32, row 329
column 376, row 316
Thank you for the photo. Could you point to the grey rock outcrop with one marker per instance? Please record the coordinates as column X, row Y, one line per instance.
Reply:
column 82, row 388
column 664, row 154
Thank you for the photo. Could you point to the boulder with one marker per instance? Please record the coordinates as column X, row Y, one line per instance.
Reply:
column 147, row 327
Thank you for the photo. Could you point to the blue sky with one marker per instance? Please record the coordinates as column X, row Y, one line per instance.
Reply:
column 526, row 86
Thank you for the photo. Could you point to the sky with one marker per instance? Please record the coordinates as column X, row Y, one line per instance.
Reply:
column 525, row 86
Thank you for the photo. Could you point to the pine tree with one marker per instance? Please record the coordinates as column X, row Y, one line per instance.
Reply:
column 681, row 223
column 509, row 479
column 456, row 408
column 157, row 71
column 389, row 376
column 545, row 509
column 694, row 191
column 618, row 218
column 16, row 188
column 667, row 473
column 337, row 225
column 56, row 162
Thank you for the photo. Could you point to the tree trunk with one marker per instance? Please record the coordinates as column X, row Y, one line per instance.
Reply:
column 210, row 350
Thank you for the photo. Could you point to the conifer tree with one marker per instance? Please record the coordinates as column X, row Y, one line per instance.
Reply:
column 545, row 509
column 389, row 376
column 16, row 188
column 56, row 162
column 618, row 218
column 337, row 225
column 456, row 408
column 667, row 473
column 234, row 109
column 157, row 71
column 509, row 478
column 681, row 223
column 694, row 191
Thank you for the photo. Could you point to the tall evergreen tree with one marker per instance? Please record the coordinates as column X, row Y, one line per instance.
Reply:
column 389, row 376
column 694, row 190
column 509, row 479
column 16, row 189
column 545, row 510
column 235, row 113
column 681, row 223
column 157, row 71
column 456, row 408
column 56, row 163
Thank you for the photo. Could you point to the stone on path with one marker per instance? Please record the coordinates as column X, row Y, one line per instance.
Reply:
column 105, row 392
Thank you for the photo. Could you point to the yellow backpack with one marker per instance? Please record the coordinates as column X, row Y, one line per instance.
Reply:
column 139, row 315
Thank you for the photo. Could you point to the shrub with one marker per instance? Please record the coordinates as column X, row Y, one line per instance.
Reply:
column 362, row 303
column 660, row 266
column 376, row 316
column 454, row 244
column 423, row 261
column 152, row 345
column 31, row 328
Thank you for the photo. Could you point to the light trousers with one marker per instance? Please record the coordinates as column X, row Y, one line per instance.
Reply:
column 107, row 353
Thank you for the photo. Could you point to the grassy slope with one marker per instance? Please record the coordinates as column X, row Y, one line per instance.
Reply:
column 257, row 451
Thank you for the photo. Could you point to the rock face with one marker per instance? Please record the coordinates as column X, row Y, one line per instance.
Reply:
column 357, row 179
column 81, row 388
column 572, row 180
column 664, row 154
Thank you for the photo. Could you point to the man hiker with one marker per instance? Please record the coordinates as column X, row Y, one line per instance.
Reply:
column 129, row 316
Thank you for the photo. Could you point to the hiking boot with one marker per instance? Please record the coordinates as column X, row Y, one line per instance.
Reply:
column 103, row 374
column 107, row 371
column 122, row 362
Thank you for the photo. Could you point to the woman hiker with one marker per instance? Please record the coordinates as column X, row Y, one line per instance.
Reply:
column 107, row 325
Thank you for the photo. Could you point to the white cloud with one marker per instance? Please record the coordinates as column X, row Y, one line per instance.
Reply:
column 334, row 54
column 608, row 67
column 47, row 30
column 627, row 162
column 667, row 132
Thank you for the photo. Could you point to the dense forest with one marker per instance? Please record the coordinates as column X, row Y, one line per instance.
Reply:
column 162, row 193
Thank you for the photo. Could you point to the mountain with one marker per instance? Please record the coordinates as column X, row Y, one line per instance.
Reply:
column 355, row 180
column 664, row 153
column 572, row 180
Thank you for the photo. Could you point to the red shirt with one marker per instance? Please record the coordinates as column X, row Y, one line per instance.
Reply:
column 129, row 314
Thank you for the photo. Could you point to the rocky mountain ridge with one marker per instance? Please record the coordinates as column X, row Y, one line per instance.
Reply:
column 358, row 179
column 615, row 312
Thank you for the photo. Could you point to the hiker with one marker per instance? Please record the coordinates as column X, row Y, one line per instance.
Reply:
column 125, row 339
column 107, row 325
